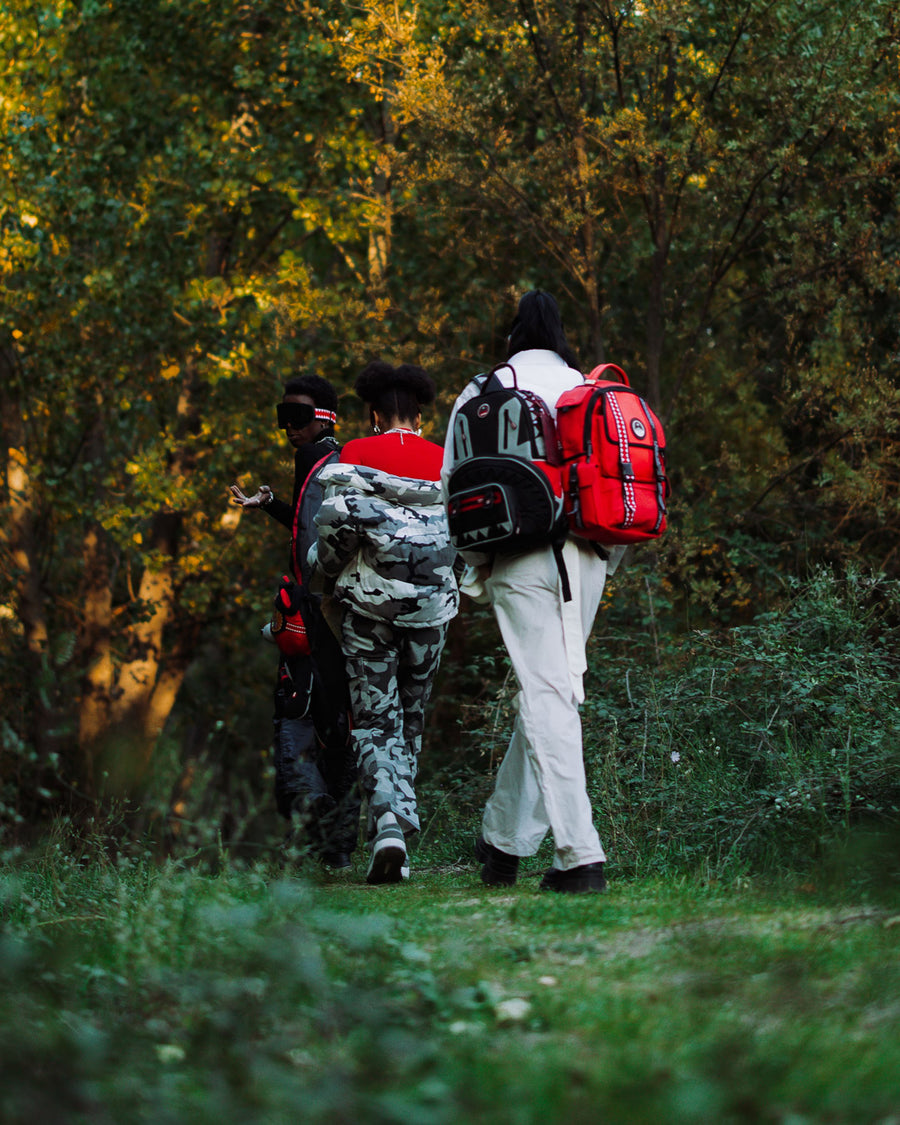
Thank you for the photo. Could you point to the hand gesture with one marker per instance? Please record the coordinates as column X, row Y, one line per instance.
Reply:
column 259, row 499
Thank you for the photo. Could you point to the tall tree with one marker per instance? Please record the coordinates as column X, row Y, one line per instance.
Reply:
column 701, row 182
column 183, row 228
column 649, row 151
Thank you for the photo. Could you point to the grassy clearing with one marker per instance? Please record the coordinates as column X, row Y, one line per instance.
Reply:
column 743, row 968
column 132, row 993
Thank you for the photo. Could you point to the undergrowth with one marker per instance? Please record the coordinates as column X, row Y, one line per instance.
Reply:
column 138, row 992
column 757, row 749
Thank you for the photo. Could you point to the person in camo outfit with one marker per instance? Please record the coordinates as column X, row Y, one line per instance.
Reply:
column 383, row 537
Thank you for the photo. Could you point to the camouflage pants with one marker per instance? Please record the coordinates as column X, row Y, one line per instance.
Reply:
column 390, row 672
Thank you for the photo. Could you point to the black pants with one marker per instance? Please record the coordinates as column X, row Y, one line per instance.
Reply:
column 315, row 763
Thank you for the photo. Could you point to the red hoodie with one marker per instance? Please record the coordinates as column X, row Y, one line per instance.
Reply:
column 402, row 454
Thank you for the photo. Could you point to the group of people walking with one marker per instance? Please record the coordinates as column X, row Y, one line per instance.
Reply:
column 371, row 549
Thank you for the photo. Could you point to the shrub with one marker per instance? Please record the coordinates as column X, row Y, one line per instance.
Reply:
column 760, row 747
column 755, row 747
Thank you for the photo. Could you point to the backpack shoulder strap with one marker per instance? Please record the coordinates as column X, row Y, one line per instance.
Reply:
column 298, row 557
column 557, row 546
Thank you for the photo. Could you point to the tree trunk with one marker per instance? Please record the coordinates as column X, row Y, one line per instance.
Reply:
column 381, row 231
column 23, row 551
column 590, row 279
column 136, row 680
column 656, row 327
column 97, row 682
column 658, row 206
column 22, row 548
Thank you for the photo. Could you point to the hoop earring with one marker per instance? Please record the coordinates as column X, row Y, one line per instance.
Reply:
column 376, row 429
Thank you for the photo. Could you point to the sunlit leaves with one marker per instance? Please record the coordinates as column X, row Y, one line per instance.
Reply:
column 186, row 202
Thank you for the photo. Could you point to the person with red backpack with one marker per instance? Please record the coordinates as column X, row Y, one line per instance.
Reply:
column 544, row 598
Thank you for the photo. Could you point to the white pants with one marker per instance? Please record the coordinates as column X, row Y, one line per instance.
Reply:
column 540, row 785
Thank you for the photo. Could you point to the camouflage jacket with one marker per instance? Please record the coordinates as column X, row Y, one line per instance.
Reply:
column 386, row 541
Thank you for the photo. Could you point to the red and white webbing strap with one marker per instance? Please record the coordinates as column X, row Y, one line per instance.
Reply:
column 628, row 499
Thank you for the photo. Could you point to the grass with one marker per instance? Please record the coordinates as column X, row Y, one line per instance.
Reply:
column 132, row 992
column 743, row 968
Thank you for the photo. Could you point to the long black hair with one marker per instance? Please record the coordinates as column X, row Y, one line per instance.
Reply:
column 395, row 392
column 538, row 324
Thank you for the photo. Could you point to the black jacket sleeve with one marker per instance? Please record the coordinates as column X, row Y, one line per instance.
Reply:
column 304, row 459
column 280, row 510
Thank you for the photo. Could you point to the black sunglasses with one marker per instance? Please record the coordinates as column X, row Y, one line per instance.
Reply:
column 295, row 414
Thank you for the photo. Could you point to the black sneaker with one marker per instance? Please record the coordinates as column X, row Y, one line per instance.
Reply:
column 586, row 879
column 337, row 861
column 500, row 868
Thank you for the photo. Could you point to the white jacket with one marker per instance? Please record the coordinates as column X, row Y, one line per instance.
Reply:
column 547, row 374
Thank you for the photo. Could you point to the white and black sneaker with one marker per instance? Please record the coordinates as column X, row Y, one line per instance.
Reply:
column 389, row 862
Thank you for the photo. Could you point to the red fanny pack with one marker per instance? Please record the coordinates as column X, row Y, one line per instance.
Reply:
column 288, row 627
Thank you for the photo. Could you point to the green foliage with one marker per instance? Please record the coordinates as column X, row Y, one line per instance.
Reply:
column 177, row 967
column 759, row 748
column 701, row 197
column 206, row 240
column 756, row 748
column 198, row 200
column 133, row 992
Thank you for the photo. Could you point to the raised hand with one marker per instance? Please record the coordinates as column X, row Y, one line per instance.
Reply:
column 259, row 499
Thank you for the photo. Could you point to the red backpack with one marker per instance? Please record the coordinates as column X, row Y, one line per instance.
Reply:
column 614, row 460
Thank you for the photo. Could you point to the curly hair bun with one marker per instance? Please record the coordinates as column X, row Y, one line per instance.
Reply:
column 379, row 379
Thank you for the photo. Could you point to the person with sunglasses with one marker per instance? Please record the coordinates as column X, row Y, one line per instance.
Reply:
column 315, row 763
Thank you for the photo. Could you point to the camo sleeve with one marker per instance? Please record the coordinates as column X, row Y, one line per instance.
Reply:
column 339, row 535
column 384, row 540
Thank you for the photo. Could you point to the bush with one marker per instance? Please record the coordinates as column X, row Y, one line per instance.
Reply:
column 136, row 992
column 763, row 747
column 758, row 747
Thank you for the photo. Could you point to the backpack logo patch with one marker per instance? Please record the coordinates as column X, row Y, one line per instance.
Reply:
column 483, row 410
column 638, row 429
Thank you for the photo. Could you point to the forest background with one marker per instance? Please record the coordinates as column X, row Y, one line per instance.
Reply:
column 198, row 201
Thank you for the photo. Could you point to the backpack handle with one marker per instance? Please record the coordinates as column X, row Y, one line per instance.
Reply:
column 493, row 377
column 599, row 373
